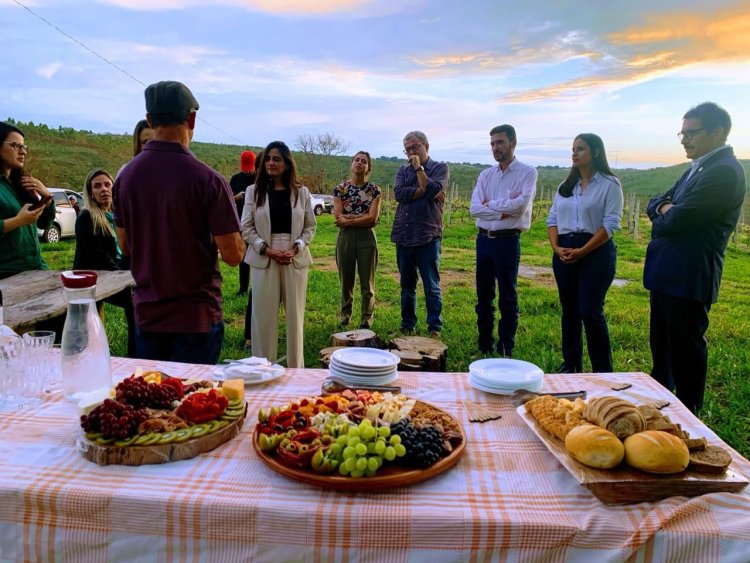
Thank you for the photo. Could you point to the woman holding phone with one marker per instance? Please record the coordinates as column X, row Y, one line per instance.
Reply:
column 25, row 204
column 278, row 223
column 96, row 241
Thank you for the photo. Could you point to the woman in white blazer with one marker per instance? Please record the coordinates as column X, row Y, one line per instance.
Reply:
column 278, row 223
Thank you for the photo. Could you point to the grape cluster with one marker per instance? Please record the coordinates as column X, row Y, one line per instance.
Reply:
column 363, row 449
column 139, row 393
column 113, row 420
column 424, row 446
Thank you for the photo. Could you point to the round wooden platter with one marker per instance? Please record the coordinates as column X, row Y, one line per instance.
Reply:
column 145, row 455
column 391, row 476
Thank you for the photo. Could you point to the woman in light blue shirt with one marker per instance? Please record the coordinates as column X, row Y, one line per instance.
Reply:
column 585, row 213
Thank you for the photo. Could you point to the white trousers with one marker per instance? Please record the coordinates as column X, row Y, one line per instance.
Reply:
column 274, row 286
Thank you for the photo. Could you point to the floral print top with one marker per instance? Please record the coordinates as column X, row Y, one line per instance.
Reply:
column 356, row 200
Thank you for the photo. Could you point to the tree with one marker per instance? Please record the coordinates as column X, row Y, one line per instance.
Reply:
column 317, row 151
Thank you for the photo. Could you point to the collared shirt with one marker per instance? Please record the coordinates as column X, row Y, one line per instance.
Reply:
column 600, row 205
column 509, row 195
column 698, row 162
column 419, row 221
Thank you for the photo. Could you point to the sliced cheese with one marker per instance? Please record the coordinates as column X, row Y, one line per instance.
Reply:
column 233, row 389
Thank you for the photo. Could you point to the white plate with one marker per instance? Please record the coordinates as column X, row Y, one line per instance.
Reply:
column 388, row 370
column 355, row 381
column 506, row 372
column 365, row 358
column 250, row 374
column 495, row 391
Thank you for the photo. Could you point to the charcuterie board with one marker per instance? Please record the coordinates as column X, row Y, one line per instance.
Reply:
column 625, row 485
column 388, row 478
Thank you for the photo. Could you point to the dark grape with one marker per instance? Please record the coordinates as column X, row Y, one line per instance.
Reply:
column 139, row 393
column 113, row 420
column 424, row 446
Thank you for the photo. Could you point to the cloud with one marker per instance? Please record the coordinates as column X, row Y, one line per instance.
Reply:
column 48, row 71
column 281, row 7
column 667, row 43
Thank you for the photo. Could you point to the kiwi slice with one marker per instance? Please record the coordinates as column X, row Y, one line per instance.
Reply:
column 199, row 430
column 167, row 437
column 234, row 404
column 222, row 424
column 102, row 441
column 213, row 425
column 143, row 438
column 153, row 438
column 126, row 441
column 182, row 435
column 93, row 435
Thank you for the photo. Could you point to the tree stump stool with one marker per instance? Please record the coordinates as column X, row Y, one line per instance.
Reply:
column 325, row 355
column 420, row 353
column 360, row 338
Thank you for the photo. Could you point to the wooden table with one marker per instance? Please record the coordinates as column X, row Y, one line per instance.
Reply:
column 508, row 499
column 38, row 295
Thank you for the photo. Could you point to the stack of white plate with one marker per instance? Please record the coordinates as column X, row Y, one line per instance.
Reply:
column 503, row 376
column 364, row 366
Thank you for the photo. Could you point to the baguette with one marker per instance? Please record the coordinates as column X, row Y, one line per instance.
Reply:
column 618, row 416
column 655, row 451
column 594, row 446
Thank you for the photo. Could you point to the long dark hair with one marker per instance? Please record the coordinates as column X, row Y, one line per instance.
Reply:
column 264, row 183
column 140, row 126
column 15, row 175
column 598, row 156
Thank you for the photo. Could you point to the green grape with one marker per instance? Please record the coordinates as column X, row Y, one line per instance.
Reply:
column 372, row 464
column 361, row 463
column 354, row 431
column 390, row 453
column 341, row 440
column 370, row 447
column 384, row 431
column 335, row 448
column 349, row 452
column 357, row 474
column 369, row 433
column 350, row 464
column 400, row 450
column 370, row 472
column 379, row 447
column 361, row 449
column 343, row 469
column 365, row 422
column 380, row 462
column 353, row 441
column 395, row 439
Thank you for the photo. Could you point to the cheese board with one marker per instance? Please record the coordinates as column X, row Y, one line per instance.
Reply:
column 625, row 485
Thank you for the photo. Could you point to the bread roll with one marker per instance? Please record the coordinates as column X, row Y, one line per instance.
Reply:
column 594, row 446
column 618, row 416
column 656, row 452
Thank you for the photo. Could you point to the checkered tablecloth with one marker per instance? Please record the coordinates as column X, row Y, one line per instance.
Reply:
column 507, row 499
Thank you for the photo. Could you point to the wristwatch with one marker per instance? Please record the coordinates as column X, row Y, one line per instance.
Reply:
column 420, row 168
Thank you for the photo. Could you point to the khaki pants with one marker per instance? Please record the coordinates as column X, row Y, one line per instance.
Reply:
column 274, row 286
column 357, row 252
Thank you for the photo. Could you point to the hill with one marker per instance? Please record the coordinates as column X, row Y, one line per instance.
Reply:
column 64, row 156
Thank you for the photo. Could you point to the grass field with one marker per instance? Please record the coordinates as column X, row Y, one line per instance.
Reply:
column 727, row 408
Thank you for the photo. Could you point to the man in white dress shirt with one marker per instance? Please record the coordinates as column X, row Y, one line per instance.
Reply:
column 501, row 204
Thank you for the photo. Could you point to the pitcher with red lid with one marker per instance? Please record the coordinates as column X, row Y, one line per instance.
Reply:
column 84, row 346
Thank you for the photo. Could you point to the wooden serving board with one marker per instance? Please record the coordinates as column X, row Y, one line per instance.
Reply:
column 625, row 485
column 144, row 455
column 389, row 477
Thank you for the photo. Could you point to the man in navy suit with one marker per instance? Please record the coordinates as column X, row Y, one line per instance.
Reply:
column 691, row 225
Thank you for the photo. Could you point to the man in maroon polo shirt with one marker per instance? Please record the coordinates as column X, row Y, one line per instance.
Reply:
column 173, row 213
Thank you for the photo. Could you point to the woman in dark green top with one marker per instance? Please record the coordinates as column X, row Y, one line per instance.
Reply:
column 19, row 240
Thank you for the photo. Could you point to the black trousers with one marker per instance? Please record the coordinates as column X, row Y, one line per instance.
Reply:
column 678, row 346
column 244, row 276
column 582, row 287
column 249, row 315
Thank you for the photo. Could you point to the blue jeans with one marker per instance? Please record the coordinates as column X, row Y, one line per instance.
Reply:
column 425, row 259
column 582, row 287
column 187, row 347
column 497, row 262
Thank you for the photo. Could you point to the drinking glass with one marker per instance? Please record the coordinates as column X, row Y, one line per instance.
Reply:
column 53, row 375
column 37, row 357
column 15, row 389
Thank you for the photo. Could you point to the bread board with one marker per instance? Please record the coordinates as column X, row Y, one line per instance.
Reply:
column 625, row 485
column 154, row 454
column 390, row 477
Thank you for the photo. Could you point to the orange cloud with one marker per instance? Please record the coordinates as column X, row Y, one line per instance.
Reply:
column 668, row 42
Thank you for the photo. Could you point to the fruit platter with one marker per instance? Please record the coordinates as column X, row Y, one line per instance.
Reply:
column 358, row 440
column 150, row 417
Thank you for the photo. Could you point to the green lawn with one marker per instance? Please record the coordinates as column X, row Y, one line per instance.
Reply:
column 727, row 408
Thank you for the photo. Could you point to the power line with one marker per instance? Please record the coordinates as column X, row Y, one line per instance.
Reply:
column 113, row 65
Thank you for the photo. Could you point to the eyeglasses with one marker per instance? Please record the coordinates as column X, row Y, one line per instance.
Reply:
column 689, row 133
column 412, row 148
column 18, row 146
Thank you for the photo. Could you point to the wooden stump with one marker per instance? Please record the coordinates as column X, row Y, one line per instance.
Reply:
column 424, row 354
column 325, row 355
column 361, row 338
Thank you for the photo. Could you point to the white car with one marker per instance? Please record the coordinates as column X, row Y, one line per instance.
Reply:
column 64, row 223
column 320, row 205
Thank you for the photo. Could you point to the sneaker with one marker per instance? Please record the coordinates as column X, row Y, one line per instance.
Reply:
column 406, row 331
column 435, row 334
column 567, row 368
column 248, row 345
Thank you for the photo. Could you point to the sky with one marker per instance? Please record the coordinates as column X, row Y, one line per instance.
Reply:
column 369, row 71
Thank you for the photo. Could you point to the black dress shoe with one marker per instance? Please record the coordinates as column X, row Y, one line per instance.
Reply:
column 567, row 368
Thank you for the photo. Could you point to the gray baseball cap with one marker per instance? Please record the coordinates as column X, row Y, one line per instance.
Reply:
column 169, row 96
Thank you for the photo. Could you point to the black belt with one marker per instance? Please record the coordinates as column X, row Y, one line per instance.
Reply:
column 499, row 233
